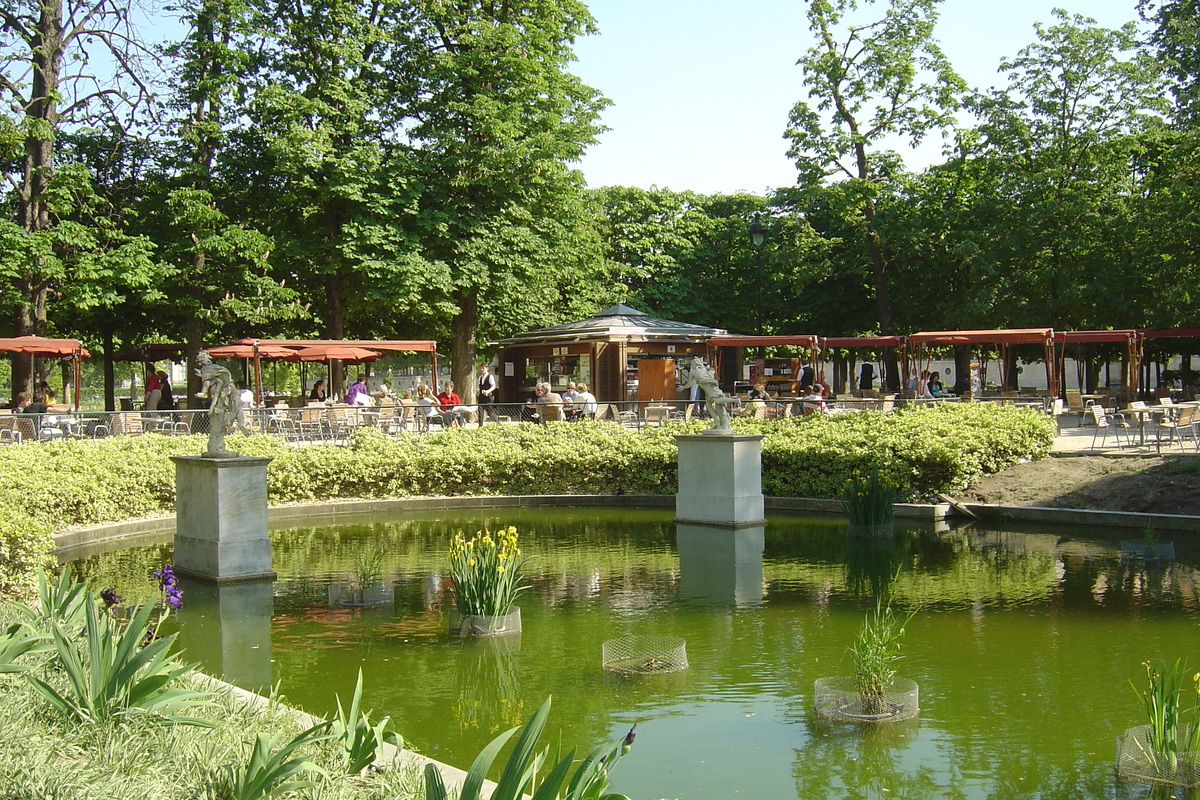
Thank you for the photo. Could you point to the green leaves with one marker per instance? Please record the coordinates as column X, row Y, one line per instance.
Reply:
column 523, row 772
column 358, row 740
column 271, row 768
column 110, row 673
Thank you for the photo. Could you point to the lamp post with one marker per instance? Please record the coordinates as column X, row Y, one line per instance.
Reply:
column 758, row 235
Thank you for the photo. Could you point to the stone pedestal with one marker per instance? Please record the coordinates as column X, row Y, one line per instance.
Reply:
column 227, row 628
column 720, row 565
column 221, row 518
column 720, row 479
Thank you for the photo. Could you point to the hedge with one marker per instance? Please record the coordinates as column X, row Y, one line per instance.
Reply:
column 48, row 486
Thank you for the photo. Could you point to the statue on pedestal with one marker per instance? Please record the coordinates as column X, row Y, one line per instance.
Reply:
column 225, row 407
column 716, row 403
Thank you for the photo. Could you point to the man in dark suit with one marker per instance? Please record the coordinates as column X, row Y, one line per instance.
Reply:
column 486, row 394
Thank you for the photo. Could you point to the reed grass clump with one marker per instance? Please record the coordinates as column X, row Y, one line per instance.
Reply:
column 869, row 499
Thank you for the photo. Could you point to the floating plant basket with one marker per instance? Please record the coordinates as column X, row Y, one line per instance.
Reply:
column 840, row 699
column 485, row 625
column 350, row 595
column 1147, row 551
column 644, row 655
column 1138, row 761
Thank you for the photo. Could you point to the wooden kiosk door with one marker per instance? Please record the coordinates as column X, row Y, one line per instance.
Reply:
column 656, row 379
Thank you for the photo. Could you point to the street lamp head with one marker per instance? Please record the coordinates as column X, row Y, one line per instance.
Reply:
column 758, row 230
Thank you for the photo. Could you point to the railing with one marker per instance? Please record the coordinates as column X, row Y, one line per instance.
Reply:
column 337, row 424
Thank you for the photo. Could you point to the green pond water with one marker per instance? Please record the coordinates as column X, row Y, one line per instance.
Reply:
column 1024, row 647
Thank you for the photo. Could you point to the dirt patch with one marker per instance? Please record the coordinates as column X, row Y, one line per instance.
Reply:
column 1168, row 485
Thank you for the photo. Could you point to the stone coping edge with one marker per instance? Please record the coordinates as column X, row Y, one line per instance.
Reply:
column 1086, row 517
column 389, row 754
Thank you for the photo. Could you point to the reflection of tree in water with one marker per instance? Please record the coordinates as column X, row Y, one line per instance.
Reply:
column 863, row 761
column 487, row 692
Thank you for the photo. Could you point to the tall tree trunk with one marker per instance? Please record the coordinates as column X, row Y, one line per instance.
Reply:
column 110, row 378
column 194, row 333
column 335, row 328
column 462, row 347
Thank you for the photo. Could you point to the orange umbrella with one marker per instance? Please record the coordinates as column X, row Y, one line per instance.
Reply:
column 56, row 348
column 330, row 352
column 264, row 350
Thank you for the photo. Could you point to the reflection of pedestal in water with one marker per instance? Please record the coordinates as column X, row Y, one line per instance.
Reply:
column 720, row 565
column 720, row 479
column 221, row 518
column 227, row 628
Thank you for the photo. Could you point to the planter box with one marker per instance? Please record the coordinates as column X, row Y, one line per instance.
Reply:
column 481, row 625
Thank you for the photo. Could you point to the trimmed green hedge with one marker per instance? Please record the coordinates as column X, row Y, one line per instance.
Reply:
column 53, row 485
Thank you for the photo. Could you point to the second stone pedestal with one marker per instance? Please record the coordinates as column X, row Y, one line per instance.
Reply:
column 221, row 518
column 720, row 479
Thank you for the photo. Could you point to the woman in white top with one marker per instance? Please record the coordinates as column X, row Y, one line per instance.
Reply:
column 586, row 401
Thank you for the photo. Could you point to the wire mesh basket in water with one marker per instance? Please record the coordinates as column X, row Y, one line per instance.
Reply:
column 839, row 699
column 644, row 655
column 1138, row 760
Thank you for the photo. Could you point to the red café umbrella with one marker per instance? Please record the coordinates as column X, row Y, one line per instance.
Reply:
column 54, row 348
column 264, row 350
column 329, row 352
column 256, row 351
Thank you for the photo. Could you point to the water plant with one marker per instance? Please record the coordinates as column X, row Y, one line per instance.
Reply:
column 271, row 768
column 486, row 572
column 113, row 668
column 1172, row 743
column 366, row 573
column 868, row 499
column 359, row 741
column 588, row 780
column 875, row 653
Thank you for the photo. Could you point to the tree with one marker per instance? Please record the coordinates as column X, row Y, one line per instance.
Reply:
column 869, row 81
column 1177, row 37
column 497, row 125
column 46, row 80
column 219, row 266
column 1063, row 143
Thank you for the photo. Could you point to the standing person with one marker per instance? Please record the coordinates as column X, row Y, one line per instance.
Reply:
column 358, row 387
column 866, row 377
column 153, row 391
column 486, row 396
column 166, row 400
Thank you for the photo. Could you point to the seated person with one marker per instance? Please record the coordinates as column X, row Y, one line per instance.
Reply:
column 936, row 387
column 585, row 401
column 448, row 399
column 318, row 393
column 244, row 394
column 812, row 402
column 429, row 407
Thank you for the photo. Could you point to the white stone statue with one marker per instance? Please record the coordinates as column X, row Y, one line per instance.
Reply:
column 715, row 400
column 225, row 407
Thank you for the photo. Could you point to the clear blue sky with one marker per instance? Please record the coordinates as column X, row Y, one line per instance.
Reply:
column 701, row 90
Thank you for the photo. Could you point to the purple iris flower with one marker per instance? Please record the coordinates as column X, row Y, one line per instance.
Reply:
column 110, row 597
column 170, row 586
